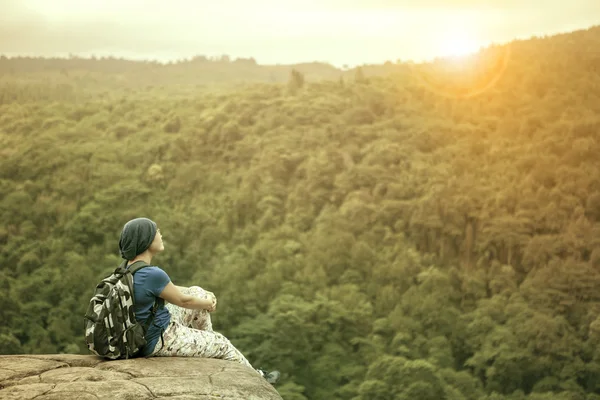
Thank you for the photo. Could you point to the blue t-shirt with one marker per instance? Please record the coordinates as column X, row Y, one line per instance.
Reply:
column 148, row 283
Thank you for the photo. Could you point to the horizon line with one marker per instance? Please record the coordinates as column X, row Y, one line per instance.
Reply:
column 90, row 55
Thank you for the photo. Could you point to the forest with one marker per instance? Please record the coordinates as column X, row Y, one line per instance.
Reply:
column 399, row 231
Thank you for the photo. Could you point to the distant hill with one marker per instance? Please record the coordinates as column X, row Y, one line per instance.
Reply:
column 201, row 69
column 83, row 76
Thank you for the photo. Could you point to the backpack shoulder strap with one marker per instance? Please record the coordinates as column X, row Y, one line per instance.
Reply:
column 136, row 266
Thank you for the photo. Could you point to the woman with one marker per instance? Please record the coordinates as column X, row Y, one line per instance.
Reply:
column 183, row 327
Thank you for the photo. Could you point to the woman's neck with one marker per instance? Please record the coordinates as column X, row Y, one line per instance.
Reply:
column 145, row 256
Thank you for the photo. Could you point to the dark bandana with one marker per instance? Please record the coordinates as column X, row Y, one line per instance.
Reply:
column 136, row 237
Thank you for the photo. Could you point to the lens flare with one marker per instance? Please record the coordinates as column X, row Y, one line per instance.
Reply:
column 465, row 76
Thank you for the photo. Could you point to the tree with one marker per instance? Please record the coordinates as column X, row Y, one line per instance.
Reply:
column 359, row 75
column 296, row 81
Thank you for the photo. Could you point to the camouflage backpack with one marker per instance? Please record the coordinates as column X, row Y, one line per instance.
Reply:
column 111, row 329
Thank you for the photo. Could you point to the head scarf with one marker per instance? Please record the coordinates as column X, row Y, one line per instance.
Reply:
column 137, row 235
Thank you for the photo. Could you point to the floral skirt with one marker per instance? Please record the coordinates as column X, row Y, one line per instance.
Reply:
column 190, row 334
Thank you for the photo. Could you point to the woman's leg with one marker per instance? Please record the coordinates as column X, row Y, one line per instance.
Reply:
column 190, row 334
column 183, row 341
column 197, row 319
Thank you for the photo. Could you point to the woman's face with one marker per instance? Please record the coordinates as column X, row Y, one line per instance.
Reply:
column 157, row 244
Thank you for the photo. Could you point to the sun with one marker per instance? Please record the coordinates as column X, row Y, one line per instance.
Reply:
column 457, row 43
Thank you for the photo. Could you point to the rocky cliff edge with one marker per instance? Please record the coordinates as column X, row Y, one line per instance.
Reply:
column 62, row 376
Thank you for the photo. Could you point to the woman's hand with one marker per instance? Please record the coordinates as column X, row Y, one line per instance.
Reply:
column 213, row 302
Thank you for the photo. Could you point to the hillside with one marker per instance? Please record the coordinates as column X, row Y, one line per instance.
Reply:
column 428, row 232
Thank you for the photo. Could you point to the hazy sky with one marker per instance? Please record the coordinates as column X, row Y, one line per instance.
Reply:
column 283, row 31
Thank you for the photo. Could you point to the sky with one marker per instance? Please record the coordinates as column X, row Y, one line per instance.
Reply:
column 339, row 32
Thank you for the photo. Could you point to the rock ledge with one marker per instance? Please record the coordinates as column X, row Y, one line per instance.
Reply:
column 64, row 376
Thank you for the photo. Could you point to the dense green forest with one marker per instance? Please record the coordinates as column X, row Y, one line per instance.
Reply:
column 403, row 231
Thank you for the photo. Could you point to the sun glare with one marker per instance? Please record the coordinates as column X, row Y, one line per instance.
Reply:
column 457, row 44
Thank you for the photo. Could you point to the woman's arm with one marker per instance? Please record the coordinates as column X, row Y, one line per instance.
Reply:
column 183, row 288
column 173, row 295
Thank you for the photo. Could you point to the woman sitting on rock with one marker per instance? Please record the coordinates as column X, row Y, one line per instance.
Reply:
column 183, row 325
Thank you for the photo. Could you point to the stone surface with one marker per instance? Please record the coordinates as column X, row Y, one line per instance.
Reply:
column 63, row 376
